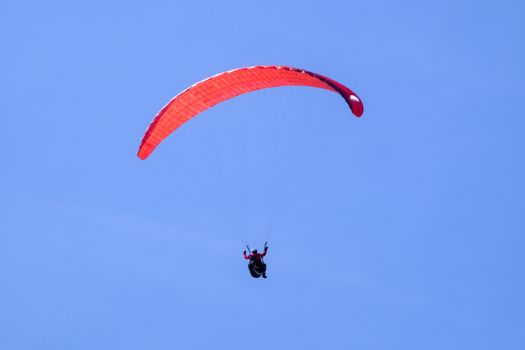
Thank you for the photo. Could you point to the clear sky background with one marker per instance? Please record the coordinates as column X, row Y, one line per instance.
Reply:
column 400, row 230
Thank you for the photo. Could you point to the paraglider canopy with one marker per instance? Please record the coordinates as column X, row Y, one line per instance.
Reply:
column 226, row 85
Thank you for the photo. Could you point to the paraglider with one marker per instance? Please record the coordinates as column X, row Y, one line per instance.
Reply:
column 257, row 266
column 223, row 86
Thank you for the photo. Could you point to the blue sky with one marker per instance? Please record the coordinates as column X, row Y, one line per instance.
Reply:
column 400, row 230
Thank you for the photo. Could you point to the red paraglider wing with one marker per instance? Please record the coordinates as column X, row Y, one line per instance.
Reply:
column 224, row 86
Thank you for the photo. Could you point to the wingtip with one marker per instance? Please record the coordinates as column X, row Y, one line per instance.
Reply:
column 142, row 154
column 356, row 105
